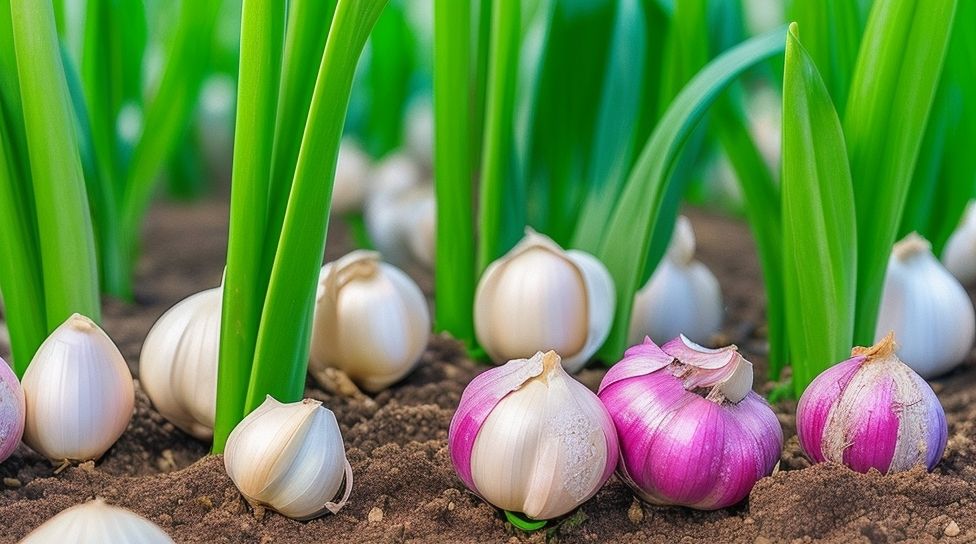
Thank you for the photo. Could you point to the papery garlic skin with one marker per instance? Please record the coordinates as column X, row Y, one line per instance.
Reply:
column 682, row 296
column 371, row 321
column 399, row 211
column 872, row 411
column 928, row 310
column 79, row 393
column 178, row 363
column 679, row 446
column 959, row 254
column 351, row 178
column 538, row 296
column 290, row 458
column 12, row 408
column 529, row 438
column 97, row 523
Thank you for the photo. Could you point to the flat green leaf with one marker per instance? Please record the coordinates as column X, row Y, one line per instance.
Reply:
column 67, row 245
column 262, row 36
column 454, row 279
column 819, row 255
column 832, row 33
column 390, row 68
column 501, row 212
column 894, row 83
column 628, row 236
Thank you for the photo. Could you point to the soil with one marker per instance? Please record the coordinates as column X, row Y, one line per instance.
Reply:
column 405, row 488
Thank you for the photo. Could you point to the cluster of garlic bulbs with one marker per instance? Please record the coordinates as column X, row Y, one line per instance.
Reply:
column 371, row 321
column 79, row 393
column 539, row 296
column 682, row 296
column 400, row 211
column 178, row 363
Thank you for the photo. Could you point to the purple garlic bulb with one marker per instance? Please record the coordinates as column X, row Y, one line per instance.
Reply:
column 691, row 430
column 12, row 410
column 529, row 438
column 872, row 411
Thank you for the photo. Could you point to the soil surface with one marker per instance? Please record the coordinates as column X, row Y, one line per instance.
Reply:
column 405, row 488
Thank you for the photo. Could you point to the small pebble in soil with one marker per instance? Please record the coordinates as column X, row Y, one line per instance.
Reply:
column 12, row 483
column 635, row 513
column 375, row 515
column 952, row 529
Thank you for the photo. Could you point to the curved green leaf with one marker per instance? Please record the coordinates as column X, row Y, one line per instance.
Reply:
column 628, row 236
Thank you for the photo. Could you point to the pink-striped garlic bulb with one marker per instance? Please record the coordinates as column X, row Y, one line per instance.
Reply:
column 529, row 438
column 872, row 411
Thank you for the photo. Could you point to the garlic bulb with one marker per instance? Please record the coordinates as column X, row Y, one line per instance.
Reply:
column 692, row 432
column 399, row 212
column 290, row 458
column 529, row 438
column 79, row 393
column 11, row 411
column 682, row 296
column 351, row 176
column 371, row 321
column 178, row 363
column 959, row 255
column 539, row 296
column 872, row 411
column 97, row 523
column 419, row 131
column 927, row 308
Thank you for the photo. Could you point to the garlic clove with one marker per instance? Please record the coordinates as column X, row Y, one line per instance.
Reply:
column 97, row 523
column 538, row 295
column 959, row 254
column 681, row 297
column 178, row 363
column 351, row 178
column 529, row 438
column 79, row 393
column 290, row 458
column 422, row 227
column 872, row 411
column 371, row 321
column 12, row 408
column 927, row 308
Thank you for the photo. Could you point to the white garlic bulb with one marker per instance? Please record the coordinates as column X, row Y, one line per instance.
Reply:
column 399, row 212
column 959, row 255
column 682, row 296
column 540, row 297
column 371, row 321
column 97, row 523
column 79, row 393
column 419, row 131
column 290, row 458
column 351, row 177
column 928, row 310
column 178, row 363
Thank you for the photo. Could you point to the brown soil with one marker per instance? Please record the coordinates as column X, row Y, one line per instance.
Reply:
column 405, row 488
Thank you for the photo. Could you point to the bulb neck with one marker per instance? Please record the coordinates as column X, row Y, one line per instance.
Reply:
column 884, row 349
column 911, row 246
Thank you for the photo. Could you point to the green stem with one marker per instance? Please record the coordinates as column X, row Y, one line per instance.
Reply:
column 262, row 35
column 67, row 245
column 501, row 214
column 281, row 355
column 454, row 275
column 524, row 523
